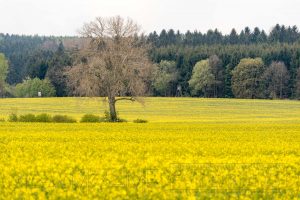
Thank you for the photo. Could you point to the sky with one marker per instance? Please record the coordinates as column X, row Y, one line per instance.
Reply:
column 66, row 17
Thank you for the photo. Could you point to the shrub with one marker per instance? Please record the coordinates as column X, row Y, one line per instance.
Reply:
column 27, row 118
column 2, row 120
column 90, row 118
column 13, row 117
column 121, row 120
column 140, row 121
column 63, row 119
column 107, row 118
column 43, row 118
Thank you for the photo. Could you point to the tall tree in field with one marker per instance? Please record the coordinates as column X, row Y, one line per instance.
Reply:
column 276, row 79
column 3, row 74
column 115, row 64
column 247, row 78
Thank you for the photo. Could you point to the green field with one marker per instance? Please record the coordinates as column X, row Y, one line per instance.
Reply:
column 165, row 109
column 190, row 149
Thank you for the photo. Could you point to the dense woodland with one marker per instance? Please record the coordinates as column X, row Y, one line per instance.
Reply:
column 187, row 64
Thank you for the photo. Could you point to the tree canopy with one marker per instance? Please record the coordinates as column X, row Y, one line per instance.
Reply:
column 166, row 77
column 202, row 79
column 247, row 78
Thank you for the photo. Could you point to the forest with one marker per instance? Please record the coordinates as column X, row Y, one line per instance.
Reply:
column 250, row 64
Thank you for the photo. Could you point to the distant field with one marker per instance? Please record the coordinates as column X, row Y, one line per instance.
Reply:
column 190, row 149
column 164, row 109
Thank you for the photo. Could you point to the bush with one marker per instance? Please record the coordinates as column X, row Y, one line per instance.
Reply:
column 2, row 120
column 13, row 117
column 107, row 118
column 43, row 118
column 63, row 119
column 27, row 118
column 90, row 118
column 121, row 120
column 140, row 121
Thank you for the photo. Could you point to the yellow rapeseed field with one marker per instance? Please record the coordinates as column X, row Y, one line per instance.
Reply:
column 189, row 149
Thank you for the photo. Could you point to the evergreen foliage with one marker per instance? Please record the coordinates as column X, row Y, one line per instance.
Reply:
column 175, row 54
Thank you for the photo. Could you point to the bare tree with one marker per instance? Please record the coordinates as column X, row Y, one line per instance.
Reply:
column 276, row 78
column 217, row 69
column 115, row 64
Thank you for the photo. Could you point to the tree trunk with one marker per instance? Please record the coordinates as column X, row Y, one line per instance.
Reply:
column 112, row 109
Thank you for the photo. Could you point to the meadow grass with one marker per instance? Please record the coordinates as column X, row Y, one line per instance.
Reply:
column 163, row 109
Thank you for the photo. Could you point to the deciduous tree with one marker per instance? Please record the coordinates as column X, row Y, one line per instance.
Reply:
column 114, row 65
column 202, row 80
column 247, row 78
column 218, row 72
column 31, row 88
column 276, row 78
column 165, row 78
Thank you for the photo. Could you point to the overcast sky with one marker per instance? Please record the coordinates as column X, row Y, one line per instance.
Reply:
column 64, row 17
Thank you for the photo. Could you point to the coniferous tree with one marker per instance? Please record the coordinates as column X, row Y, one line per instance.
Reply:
column 255, row 35
column 298, row 84
column 153, row 39
column 171, row 37
column 163, row 38
column 55, row 73
column 233, row 37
